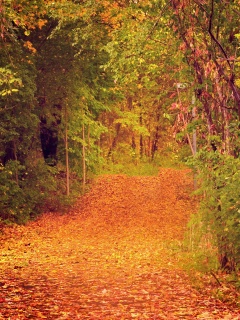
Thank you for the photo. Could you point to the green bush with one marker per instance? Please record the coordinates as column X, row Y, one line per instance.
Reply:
column 24, row 190
column 219, row 177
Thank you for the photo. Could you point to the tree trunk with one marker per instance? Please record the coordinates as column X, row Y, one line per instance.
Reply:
column 83, row 156
column 67, row 154
column 140, row 139
column 114, row 142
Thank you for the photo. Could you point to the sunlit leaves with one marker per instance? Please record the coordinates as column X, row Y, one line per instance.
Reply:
column 9, row 83
column 114, row 256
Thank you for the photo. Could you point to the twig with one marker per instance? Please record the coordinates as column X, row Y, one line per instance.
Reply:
column 214, row 38
column 215, row 277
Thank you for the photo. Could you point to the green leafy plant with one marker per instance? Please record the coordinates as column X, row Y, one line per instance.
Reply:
column 219, row 178
column 26, row 190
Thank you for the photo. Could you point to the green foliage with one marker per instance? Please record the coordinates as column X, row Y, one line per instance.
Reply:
column 9, row 83
column 131, row 169
column 200, row 251
column 219, row 177
column 12, row 196
column 24, row 190
column 131, row 120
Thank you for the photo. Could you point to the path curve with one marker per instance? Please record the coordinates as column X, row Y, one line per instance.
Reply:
column 111, row 257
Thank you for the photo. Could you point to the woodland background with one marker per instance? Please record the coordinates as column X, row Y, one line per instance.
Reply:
column 88, row 86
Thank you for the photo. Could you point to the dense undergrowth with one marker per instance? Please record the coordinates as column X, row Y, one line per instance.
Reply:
column 218, row 219
column 36, row 187
column 26, row 191
column 212, row 244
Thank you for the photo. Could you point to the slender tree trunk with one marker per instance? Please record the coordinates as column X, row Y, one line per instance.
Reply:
column 224, row 114
column 16, row 159
column 194, row 135
column 156, row 135
column 66, row 153
column 226, row 131
column 149, row 146
column 84, row 156
column 155, row 142
column 88, row 136
column 141, row 138
column 114, row 141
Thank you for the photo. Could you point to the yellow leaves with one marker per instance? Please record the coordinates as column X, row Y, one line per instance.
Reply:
column 27, row 32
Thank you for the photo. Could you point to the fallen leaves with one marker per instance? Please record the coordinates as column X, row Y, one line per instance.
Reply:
column 112, row 257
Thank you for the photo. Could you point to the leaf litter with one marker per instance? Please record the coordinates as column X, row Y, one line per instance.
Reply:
column 110, row 257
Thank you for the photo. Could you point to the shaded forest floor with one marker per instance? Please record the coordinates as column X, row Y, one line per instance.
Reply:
column 111, row 257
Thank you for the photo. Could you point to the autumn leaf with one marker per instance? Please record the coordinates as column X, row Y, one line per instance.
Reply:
column 30, row 47
column 110, row 257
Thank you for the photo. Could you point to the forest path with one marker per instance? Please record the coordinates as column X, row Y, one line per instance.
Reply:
column 112, row 257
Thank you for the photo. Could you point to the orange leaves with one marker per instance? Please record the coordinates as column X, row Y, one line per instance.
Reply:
column 29, row 45
column 112, row 14
column 109, row 258
column 41, row 23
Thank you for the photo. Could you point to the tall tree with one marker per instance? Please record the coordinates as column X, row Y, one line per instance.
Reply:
column 144, row 71
column 207, row 32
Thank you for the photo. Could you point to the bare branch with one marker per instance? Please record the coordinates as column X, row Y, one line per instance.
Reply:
column 214, row 38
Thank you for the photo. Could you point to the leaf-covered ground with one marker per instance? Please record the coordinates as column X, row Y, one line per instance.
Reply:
column 111, row 257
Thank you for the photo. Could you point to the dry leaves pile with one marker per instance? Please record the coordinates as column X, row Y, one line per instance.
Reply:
column 109, row 258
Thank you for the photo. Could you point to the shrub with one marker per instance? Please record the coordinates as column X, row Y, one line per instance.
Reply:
column 219, row 177
column 24, row 189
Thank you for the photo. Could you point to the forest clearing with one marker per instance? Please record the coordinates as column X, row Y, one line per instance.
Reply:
column 115, row 255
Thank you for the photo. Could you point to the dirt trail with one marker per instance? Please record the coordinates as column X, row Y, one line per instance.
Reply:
column 111, row 257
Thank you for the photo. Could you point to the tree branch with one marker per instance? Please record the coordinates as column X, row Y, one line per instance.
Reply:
column 215, row 277
column 214, row 38
column 157, row 22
